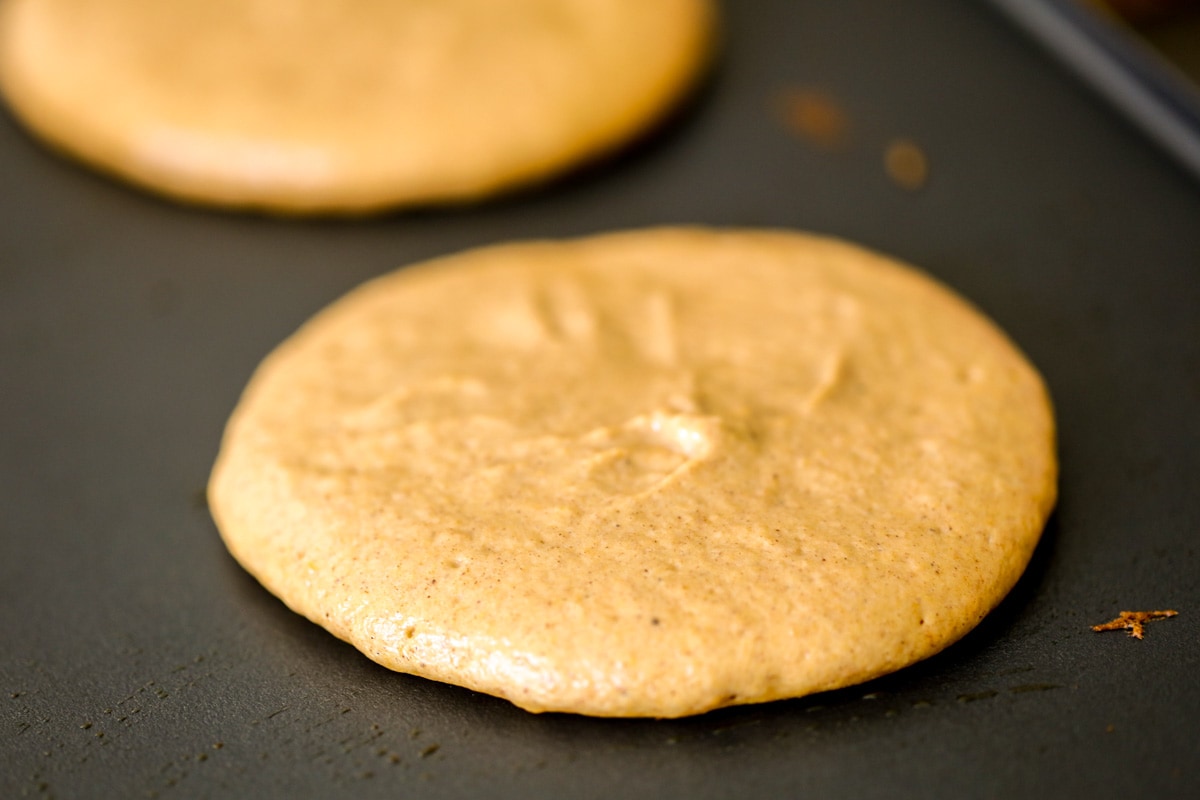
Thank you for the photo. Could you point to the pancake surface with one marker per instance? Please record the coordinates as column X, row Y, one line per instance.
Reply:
column 344, row 105
column 642, row 474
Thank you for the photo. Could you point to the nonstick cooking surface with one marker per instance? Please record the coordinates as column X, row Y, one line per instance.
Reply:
column 137, row 659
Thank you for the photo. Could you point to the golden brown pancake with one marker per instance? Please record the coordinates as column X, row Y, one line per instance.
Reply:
column 643, row 474
column 345, row 105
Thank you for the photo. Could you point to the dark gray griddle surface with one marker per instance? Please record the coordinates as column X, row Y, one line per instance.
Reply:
column 137, row 659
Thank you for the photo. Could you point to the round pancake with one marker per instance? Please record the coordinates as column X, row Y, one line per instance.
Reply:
column 642, row 474
column 344, row 105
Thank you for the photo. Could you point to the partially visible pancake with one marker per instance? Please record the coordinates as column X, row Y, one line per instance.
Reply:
column 345, row 105
column 643, row 474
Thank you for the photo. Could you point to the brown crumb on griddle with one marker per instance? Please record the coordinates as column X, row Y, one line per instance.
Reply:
column 906, row 164
column 814, row 116
column 1133, row 621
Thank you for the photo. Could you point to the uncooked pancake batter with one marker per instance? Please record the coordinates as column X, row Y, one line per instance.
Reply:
column 345, row 105
column 643, row 474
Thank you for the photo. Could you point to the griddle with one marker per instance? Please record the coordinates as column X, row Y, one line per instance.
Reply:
column 137, row 659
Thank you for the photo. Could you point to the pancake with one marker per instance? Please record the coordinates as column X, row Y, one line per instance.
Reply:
column 642, row 474
column 345, row 106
